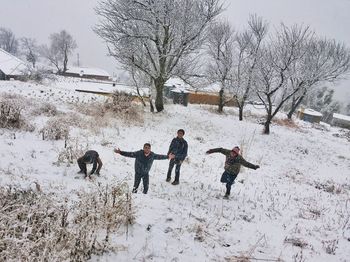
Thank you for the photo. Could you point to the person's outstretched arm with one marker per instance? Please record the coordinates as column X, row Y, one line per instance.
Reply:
column 162, row 157
column 215, row 150
column 124, row 153
column 248, row 164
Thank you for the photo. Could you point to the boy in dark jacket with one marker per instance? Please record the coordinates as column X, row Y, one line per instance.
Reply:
column 90, row 157
column 143, row 163
column 232, row 166
column 179, row 148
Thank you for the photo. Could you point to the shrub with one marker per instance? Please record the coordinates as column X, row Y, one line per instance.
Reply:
column 35, row 226
column 119, row 106
column 11, row 107
column 46, row 109
column 56, row 128
column 72, row 151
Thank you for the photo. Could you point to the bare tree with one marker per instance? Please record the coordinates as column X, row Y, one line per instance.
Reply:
column 325, row 61
column 154, row 36
column 287, row 47
column 220, row 44
column 8, row 41
column 247, row 55
column 61, row 47
column 30, row 50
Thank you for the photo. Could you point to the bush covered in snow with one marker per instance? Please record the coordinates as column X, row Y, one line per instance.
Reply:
column 46, row 109
column 11, row 107
column 56, row 128
column 35, row 226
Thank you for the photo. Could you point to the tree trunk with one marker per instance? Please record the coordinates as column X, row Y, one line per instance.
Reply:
column 240, row 108
column 65, row 62
column 267, row 126
column 151, row 105
column 221, row 101
column 269, row 116
column 295, row 105
column 159, row 84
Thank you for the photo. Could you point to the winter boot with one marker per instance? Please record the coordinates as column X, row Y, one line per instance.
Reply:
column 134, row 190
column 168, row 179
column 176, row 182
column 226, row 196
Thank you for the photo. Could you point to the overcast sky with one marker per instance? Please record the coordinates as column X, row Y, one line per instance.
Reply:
column 39, row 18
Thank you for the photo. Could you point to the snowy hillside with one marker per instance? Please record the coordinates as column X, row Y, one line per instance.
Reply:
column 296, row 207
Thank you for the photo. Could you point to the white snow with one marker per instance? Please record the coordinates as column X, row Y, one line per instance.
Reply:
column 301, row 191
column 11, row 65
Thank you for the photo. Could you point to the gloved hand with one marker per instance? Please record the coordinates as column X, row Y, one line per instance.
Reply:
column 209, row 151
column 256, row 167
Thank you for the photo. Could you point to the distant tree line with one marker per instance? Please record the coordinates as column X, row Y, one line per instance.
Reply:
column 157, row 40
column 57, row 53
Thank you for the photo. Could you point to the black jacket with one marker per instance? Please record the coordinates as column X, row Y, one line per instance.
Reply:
column 179, row 148
column 90, row 157
column 143, row 163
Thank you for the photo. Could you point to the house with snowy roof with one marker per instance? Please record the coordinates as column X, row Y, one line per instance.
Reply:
column 309, row 115
column 87, row 72
column 341, row 120
column 11, row 66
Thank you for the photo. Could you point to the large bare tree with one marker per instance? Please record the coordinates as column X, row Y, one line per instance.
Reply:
column 154, row 36
column 220, row 44
column 8, row 41
column 61, row 47
column 283, row 50
column 30, row 50
column 247, row 55
column 325, row 61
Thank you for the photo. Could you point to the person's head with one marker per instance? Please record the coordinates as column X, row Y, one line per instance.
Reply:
column 147, row 148
column 180, row 133
column 235, row 151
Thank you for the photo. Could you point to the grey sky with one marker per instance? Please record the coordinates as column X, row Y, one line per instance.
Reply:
column 40, row 18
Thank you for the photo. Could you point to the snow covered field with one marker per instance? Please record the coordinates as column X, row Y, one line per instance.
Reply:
column 296, row 207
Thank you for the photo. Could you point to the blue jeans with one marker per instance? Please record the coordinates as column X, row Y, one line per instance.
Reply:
column 229, row 179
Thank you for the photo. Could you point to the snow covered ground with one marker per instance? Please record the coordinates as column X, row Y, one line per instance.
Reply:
column 296, row 207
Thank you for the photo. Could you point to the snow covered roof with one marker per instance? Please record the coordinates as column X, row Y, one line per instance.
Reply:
column 11, row 65
column 177, row 82
column 87, row 71
column 341, row 117
column 214, row 87
column 179, row 90
column 310, row 112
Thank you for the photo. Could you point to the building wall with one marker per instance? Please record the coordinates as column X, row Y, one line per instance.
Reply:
column 208, row 99
column 105, row 78
column 341, row 123
column 2, row 75
column 309, row 118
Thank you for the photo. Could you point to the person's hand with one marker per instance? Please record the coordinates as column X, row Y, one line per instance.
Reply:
column 256, row 167
column 171, row 156
column 208, row 152
column 117, row 150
